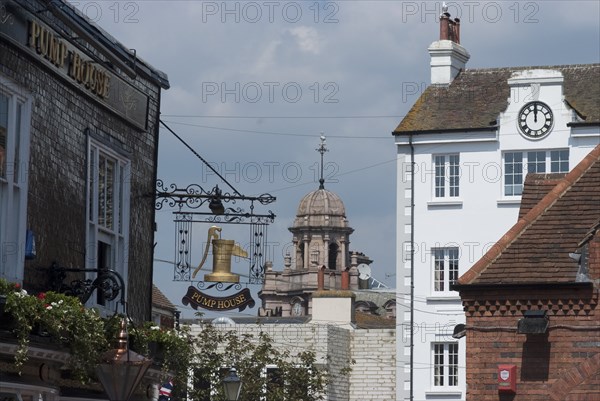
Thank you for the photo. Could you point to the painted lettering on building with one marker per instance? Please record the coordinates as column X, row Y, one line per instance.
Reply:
column 197, row 299
column 80, row 69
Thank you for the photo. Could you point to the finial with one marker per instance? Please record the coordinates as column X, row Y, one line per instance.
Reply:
column 322, row 149
column 444, row 7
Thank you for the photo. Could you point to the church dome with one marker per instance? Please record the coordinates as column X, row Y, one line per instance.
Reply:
column 321, row 208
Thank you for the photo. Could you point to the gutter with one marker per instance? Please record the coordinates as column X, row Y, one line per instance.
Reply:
column 584, row 124
column 538, row 285
column 412, row 261
column 440, row 131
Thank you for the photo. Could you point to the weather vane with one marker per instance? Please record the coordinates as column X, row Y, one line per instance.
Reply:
column 322, row 149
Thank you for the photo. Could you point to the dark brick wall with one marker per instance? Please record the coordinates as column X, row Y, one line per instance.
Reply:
column 563, row 365
column 61, row 117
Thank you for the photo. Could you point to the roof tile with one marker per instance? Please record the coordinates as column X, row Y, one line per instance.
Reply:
column 475, row 98
column 536, row 249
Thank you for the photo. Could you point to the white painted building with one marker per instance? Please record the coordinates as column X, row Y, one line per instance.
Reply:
column 463, row 152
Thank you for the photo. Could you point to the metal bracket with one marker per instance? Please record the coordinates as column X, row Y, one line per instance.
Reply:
column 109, row 282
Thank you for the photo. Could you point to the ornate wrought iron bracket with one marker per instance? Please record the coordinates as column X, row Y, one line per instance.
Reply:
column 188, row 200
column 219, row 286
column 109, row 282
column 194, row 196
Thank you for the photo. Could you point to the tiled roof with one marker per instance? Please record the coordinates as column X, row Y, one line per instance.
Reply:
column 368, row 321
column 475, row 98
column 536, row 249
column 537, row 186
column 160, row 300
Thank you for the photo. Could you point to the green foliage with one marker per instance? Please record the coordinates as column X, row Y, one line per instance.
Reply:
column 84, row 333
column 173, row 349
column 298, row 375
column 62, row 318
column 67, row 323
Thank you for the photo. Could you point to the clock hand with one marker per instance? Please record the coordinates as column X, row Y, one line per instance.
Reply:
column 535, row 110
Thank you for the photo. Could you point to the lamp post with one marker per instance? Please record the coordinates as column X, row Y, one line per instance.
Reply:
column 232, row 385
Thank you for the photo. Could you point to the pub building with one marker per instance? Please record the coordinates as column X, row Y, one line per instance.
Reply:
column 79, row 118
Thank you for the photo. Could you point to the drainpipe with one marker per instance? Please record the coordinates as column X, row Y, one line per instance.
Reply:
column 412, row 261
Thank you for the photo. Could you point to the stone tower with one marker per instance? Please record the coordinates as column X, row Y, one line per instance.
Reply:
column 321, row 239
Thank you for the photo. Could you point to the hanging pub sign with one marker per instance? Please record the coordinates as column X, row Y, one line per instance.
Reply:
column 222, row 251
column 197, row 299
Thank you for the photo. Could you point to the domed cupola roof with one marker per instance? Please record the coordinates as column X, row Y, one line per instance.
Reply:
column 321, row 202
column 321, row 208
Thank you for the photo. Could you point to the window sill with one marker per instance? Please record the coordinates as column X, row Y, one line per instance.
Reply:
column 444, row 297
column 509, row 201
column 442, row 202
column 443, row 393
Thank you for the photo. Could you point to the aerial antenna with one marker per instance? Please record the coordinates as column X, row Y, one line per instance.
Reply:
column 322, row 149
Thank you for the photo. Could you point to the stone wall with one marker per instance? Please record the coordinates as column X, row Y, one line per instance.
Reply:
column 373, row 374
column 370, row 378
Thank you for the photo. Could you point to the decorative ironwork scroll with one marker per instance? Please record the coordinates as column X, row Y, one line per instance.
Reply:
column 186, row 203
column 183, row 239
column 258, row 248
column 194, row 196
column 108, row 282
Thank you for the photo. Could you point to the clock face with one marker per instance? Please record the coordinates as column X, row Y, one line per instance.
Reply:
column 297, row 309
column 535, row 120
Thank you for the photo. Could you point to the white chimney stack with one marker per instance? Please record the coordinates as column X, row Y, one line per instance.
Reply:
column 448, row 57
column 333, row 307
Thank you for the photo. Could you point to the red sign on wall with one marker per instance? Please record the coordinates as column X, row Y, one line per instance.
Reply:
column 507, row 378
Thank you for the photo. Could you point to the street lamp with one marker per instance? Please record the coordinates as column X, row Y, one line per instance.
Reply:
column 121, row 369
column 232, row 385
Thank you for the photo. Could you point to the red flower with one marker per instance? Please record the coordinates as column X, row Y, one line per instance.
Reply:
column 17, row 286
column 42, row 295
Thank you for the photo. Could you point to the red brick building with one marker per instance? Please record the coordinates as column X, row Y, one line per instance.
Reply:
column 532, row 300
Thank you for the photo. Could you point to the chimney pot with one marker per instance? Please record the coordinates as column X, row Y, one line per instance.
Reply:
column 444, row 26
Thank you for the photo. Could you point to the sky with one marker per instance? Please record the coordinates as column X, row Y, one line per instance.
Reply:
column 255, row 83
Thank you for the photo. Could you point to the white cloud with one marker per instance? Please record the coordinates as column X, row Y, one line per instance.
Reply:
column 307, row 38
column 367, row 49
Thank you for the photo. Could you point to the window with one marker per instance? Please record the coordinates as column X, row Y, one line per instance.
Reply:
column 333, row 254
column 108, row 213
column 14, row 158
column 445, row 268
column 445, row 364
column 559, row 161
column 314, row 257
column 204, row 382
column 447, row 174
column 536, row 162
column 513, row 174
column 517, row 164
column 274, row 385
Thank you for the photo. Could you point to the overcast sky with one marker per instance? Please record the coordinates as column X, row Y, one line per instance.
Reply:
column 253, row 84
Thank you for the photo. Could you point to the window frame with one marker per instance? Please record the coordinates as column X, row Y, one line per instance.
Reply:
column 449, row 269
column 107, row 243
column 446, row 176
column 554, row 161
column 14, row 185
column 448, row 361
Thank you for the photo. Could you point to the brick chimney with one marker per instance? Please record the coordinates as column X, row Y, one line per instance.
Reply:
column 448, row 57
